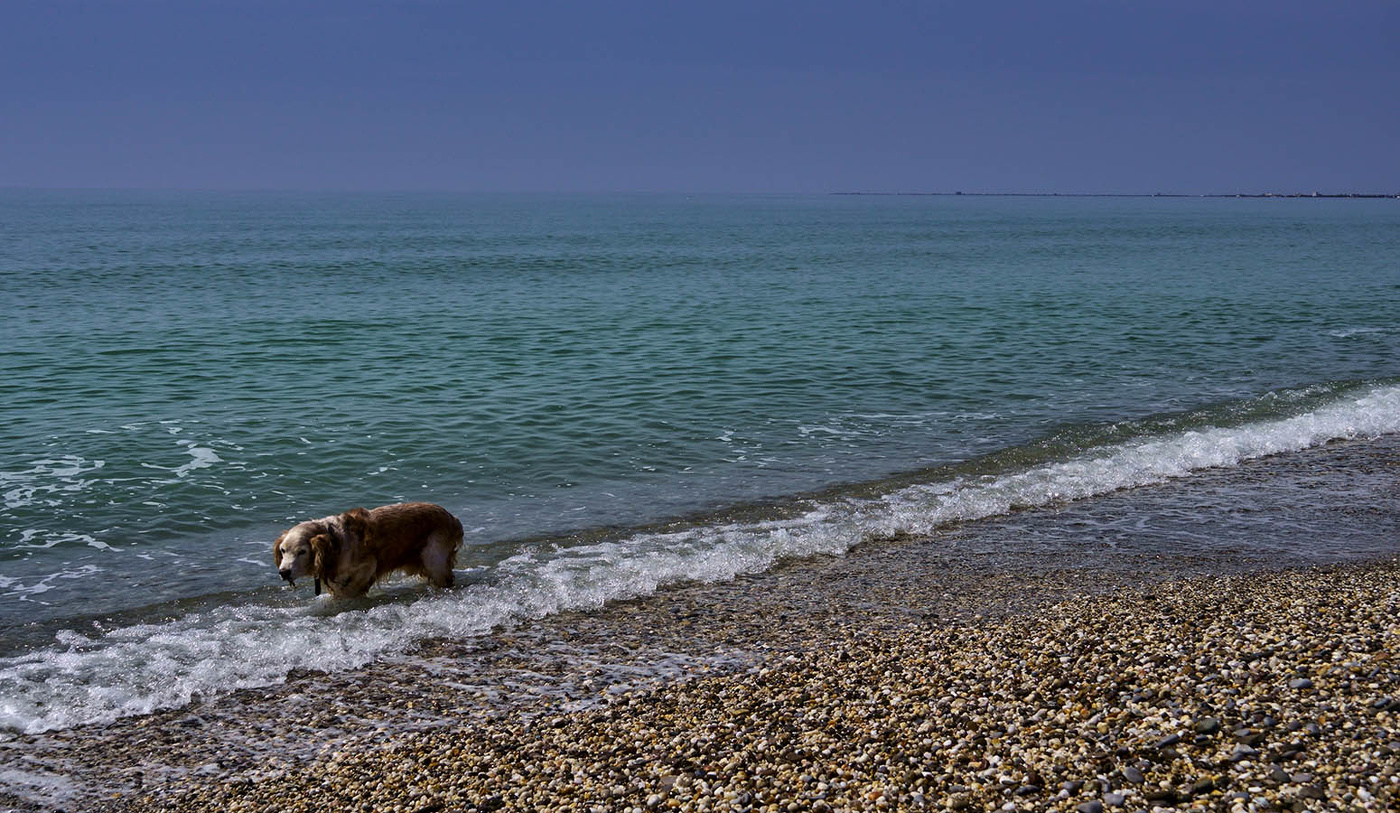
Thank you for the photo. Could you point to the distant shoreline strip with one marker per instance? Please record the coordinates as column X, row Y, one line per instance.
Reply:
column 1320, row 195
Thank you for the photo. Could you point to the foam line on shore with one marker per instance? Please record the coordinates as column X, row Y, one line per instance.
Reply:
column 96, row 677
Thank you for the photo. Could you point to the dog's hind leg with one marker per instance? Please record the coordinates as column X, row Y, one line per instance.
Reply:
column 438, row 556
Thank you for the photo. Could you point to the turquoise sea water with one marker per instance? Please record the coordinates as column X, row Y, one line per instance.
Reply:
column 612, row 392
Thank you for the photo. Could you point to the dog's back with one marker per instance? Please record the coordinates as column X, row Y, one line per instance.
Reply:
column 415, row 521
column 418, row 537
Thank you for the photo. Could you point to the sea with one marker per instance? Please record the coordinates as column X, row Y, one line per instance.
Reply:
column 618, row 394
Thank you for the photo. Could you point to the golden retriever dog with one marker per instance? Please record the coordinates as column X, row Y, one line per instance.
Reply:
column 349, row 552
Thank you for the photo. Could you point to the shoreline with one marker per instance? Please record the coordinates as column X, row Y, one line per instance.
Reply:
column 1265, row 691
column 731, row 665
column 1005, row 690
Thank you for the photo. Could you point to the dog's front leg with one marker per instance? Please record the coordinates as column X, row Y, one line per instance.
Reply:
column 358, row 579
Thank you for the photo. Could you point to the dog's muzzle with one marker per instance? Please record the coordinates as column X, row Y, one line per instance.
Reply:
column 287, row 577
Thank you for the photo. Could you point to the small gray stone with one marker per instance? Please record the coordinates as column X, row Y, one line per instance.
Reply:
column 1133, row 775
column 1207, row 725
column 1300, row 683
column 1093, row 806
column 1163, row 796
column 1113, row 799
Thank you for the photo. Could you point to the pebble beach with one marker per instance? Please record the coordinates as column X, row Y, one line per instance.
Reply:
column 1266, row 691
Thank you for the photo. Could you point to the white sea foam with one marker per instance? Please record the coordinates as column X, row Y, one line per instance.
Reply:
column 17, row 588
column 49, row 790
column 1347, row 333
column 922, row 508
column 44, row 538
column 43, row 481
column 86, row 678
column 202, row 458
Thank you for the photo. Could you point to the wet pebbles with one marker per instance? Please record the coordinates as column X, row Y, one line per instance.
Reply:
column 1275, row 691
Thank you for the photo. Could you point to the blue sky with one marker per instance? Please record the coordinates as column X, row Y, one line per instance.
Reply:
column 716, row 96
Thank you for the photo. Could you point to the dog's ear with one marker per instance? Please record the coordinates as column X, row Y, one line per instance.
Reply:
column 323, row 555
column 356, row 523
column 277, row 550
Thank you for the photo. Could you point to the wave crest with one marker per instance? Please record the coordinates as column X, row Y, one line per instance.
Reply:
column 83, row 679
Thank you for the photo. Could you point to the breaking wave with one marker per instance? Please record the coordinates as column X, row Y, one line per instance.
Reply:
column 98, row 676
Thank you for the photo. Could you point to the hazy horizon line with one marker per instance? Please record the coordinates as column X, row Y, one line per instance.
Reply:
column 749, row 193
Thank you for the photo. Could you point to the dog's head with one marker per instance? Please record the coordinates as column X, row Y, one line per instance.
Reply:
column 305, row 550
